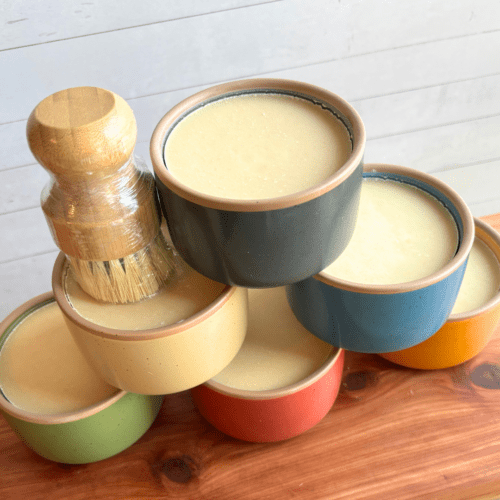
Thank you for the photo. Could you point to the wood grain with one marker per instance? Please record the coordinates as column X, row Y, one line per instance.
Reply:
column 393, row 433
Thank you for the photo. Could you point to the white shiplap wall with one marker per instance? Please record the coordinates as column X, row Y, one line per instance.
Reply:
column 423, row 75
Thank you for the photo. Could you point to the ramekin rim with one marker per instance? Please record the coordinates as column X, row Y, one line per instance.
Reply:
column 132, row 335
column 48, row 418
column 332, row 359
column 259, row 84
column 483, row 230
column 452, row 266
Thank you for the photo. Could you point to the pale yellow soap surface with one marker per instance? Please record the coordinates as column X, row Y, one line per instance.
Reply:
column 179, row 300
column 278, row 351
column 257, row 146
column 481, row 280
column 402, row 234
column 42, row 371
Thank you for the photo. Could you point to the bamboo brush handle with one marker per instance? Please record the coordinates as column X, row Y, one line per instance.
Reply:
column 99, row 205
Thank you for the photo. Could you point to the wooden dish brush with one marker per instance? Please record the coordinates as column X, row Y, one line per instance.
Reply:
column 100, row 206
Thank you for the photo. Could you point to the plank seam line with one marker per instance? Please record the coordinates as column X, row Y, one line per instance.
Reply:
column 23, row 209
column 424, row 87
column 316, row 63
column 359, row 99
column 469, row 164
column 424, row 42
column 457, row 122
column 13, row 121
column 140, row 25
column 337, row 59
column 18, row 166
column 38, row 254
column 465, row 165
column 489, row 200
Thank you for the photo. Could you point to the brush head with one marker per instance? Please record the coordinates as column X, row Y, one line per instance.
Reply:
column 129, row 279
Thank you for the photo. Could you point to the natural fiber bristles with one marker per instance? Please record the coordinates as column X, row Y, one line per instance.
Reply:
column 129, row 279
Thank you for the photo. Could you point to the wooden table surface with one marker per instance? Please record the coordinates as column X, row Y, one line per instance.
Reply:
column 393, row 433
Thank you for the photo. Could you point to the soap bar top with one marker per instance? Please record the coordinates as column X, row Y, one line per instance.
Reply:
column 278, row 351
column 481, row 280
column 180, row 299
column 42, row 370
column 402, row 234
column 257, row 146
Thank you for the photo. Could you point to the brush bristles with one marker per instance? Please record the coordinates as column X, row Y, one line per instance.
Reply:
column 129, row 279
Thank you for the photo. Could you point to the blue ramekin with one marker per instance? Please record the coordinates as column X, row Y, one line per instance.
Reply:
column 386, row 318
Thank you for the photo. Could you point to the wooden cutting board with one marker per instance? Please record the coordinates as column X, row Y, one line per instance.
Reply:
column 393, row 433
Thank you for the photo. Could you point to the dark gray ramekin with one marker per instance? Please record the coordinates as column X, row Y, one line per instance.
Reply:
column 262, row 243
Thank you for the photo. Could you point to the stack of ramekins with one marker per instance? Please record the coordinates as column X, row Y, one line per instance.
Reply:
column 297, row 274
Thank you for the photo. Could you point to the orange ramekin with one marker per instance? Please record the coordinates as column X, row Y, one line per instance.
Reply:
column 464, row 335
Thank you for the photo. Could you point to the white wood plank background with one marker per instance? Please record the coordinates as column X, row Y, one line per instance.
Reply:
column 423, row 75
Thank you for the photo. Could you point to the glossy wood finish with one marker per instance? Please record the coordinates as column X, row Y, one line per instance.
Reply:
column 393, row 433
